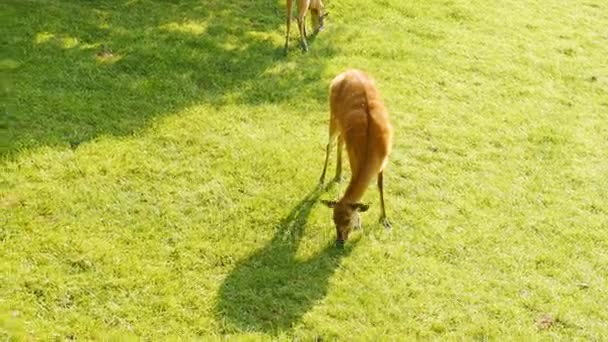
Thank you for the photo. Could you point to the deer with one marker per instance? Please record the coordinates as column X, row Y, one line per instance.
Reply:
column 359, row 120
column 316, row 9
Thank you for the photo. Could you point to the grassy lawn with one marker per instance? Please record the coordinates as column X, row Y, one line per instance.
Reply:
column 160, row 159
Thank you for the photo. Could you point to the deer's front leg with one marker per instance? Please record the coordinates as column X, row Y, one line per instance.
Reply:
column 302, row 28
column 338, row 177
column 383, row 219
column 288, row 25
column 333, row 132
column 327, row 152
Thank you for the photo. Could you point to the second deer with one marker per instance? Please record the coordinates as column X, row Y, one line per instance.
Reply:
column 316, row 9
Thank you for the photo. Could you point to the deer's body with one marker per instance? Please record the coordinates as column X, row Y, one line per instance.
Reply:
column 316, row 9
column 360, row 121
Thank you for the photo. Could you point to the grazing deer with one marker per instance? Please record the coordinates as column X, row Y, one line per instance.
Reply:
column 359, row 120
column 316, row 9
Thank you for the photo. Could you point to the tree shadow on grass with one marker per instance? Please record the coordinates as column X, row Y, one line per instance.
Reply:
column 77, row 70
column 270, row 291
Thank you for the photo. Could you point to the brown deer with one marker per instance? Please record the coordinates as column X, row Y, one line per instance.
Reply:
column 358, row 119
column 316, row 9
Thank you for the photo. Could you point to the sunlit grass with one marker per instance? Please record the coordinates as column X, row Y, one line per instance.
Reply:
column 186, row 27
column 160, row 167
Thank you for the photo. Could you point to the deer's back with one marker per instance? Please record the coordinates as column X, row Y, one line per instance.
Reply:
column 357, row 108
column 363, row 123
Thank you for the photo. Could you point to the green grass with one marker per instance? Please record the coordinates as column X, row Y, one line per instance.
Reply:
column 170, row 189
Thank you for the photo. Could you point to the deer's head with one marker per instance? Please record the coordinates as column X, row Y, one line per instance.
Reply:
column 318, row 19
column 321, row 20
column 346, row 217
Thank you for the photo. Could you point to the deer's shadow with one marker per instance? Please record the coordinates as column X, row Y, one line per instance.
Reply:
column 271, row 290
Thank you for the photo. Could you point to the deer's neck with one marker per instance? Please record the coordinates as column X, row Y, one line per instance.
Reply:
column 358, row 185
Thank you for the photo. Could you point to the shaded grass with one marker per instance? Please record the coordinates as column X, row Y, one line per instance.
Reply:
column 162, row 191
column 79, row 70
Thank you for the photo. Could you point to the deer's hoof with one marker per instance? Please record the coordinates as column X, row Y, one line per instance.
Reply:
column 386, row 223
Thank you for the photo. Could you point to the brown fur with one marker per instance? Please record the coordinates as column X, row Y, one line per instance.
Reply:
column 316, row 9
column 360, row 121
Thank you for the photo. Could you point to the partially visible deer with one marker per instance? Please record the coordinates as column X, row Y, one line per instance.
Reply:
column 360, row 121
column 316, row 10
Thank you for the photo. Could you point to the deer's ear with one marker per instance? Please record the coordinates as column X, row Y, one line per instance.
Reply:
column 360, row 207
column 329, row 204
